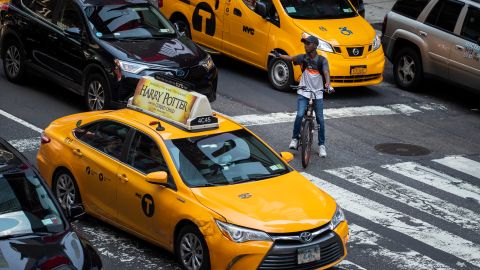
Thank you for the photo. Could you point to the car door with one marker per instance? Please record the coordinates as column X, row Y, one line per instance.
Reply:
column 142, row 206
column 465, row 54
column 71, row 42
column 98, row 157
column 40, row 32
column 207, row 23
column 437, row 33
column 246, row 33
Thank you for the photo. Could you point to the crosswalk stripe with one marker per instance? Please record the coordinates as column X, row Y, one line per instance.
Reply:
column 403, row 258
column 409, row 196
column 461, row 164
column 403, row 223
column 25, row 145
column 348, row 265
column 436, row 179
column 20, row 121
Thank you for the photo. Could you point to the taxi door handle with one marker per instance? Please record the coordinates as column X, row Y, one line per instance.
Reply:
column 77, row 152
column 423, row 34
column 460, row 47
column 237, row 12
column 123, row 177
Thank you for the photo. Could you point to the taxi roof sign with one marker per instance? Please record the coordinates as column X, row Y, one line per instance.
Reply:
column 188, row 110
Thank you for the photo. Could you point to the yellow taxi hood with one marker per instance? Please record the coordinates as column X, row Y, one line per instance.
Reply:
column 339, row 32
column 287, row 203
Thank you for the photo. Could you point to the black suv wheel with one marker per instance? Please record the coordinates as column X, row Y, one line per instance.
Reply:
column 97, row 93
column 13, row 61
column 407, row 69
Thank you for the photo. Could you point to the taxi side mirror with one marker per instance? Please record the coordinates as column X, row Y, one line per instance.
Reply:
column 74, row 212
column 158, row 178
column 261, row 9
column 287, row 156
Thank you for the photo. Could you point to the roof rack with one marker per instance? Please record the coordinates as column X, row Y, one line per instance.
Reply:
column 190, row 111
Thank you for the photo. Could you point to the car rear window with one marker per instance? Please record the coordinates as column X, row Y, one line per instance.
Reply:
column 410, row 8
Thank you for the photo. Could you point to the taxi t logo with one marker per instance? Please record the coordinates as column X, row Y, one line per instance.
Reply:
column 148, row 205
column 204, row 15
column 344, row 30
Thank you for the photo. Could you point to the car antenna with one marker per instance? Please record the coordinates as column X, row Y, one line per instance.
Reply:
column 159, row 127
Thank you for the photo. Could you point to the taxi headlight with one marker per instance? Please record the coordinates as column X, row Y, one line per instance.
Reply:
column 376, row 43
column 239, row 234
column 338, row 217
column 207, row 62
column 130, row 67
column 324, row 46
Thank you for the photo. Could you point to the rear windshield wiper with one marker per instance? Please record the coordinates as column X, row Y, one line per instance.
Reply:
column 10, row 236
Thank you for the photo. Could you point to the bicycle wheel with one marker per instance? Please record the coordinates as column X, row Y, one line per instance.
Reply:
column 306, row 138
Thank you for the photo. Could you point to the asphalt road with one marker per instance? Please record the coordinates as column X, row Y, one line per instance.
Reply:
column 409, row 210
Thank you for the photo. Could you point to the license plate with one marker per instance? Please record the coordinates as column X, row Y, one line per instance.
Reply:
column 358, row 70
column 308, row 254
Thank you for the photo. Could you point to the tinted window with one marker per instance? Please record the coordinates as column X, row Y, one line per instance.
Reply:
column 44, row 8
column 410, row 8
column 108, row 137
column 471, row 25
column 224, row 159
column 26, row 207
column 145, row 156
column 318, row 9
column 70, row 17
column 445, row 14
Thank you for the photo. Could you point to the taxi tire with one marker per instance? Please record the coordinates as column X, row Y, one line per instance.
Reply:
column 408, row 54
column 65, row 173
column 14, row 49
column 193, row 231
column 92, row 82
column 281, row 66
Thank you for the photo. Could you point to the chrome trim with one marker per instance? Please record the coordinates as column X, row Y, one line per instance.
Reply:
column 297, row 237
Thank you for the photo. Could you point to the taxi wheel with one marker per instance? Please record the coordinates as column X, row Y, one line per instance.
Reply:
column 65, row 189
column 13, row 61
column 191, row 249
column 407, row 69
column 280, row 74
column 97, row 93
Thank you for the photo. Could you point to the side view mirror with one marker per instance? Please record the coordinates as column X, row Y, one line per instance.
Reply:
column 180, row 29
column 287, row 156
column 75, row 212
column 261, row 9
column 74, row 32
column 158, row 178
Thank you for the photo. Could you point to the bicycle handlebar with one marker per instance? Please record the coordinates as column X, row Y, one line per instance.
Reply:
column 304, row 88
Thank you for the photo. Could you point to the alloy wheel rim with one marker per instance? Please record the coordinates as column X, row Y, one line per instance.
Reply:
column 96, row 96
column 12, row 61
column 191, row 251
column 280, row 73
column 406, row 69
column 65, row 190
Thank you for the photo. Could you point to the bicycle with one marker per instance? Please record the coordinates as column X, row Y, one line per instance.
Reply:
column 308, row 125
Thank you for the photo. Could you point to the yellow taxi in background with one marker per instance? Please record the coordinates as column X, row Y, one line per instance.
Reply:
column 249, row 29
column 169, row 170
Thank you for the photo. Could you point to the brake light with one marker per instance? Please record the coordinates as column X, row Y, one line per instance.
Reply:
column 4, row 7
column 384, row 24
column 160, row 3
column 44, row 138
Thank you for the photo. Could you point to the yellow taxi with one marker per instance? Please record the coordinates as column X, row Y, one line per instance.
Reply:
column 249, row 29
column 169, row 170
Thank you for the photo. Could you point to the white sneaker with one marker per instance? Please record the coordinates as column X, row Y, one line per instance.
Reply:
column 321, row 151
column 293, row 144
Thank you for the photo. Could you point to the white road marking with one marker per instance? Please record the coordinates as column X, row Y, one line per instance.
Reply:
column 403, row 223
column 334, row 113
column 402, row 258
column 20, row 121
column 25, row 145
column 461, row 164
column 409, row 196
column 436, row 179
column 348, row 265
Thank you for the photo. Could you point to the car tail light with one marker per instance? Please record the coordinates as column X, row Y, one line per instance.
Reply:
column 384, row 24
column 4, row 7
column 44, row 138
column 55, row 262
column 160, row 3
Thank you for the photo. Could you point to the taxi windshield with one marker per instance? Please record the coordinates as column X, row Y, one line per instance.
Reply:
column 26, row 207
column 224, row 159
column 128, row 22
column 318, row 9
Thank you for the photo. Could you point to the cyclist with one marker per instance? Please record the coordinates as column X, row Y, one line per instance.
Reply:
column 313, row 67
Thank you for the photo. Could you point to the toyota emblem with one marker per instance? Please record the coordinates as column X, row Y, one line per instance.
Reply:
column 356, row 51
column 306, row 237
column 180, row 73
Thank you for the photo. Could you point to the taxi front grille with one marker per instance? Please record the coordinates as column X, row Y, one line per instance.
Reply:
column 355, row 78
column 355, row 51
column 283, row 256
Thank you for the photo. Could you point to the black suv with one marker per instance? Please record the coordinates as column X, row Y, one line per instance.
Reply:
column 100, row 48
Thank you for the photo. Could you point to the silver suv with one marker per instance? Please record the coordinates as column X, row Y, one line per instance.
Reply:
column 433, row 37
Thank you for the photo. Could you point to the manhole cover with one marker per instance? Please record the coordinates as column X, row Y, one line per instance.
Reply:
column 402, row 149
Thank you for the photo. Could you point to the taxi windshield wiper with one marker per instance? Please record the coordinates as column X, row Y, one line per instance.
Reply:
column 256, row 177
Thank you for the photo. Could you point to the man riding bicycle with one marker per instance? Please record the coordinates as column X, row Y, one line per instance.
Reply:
column 313, row 67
